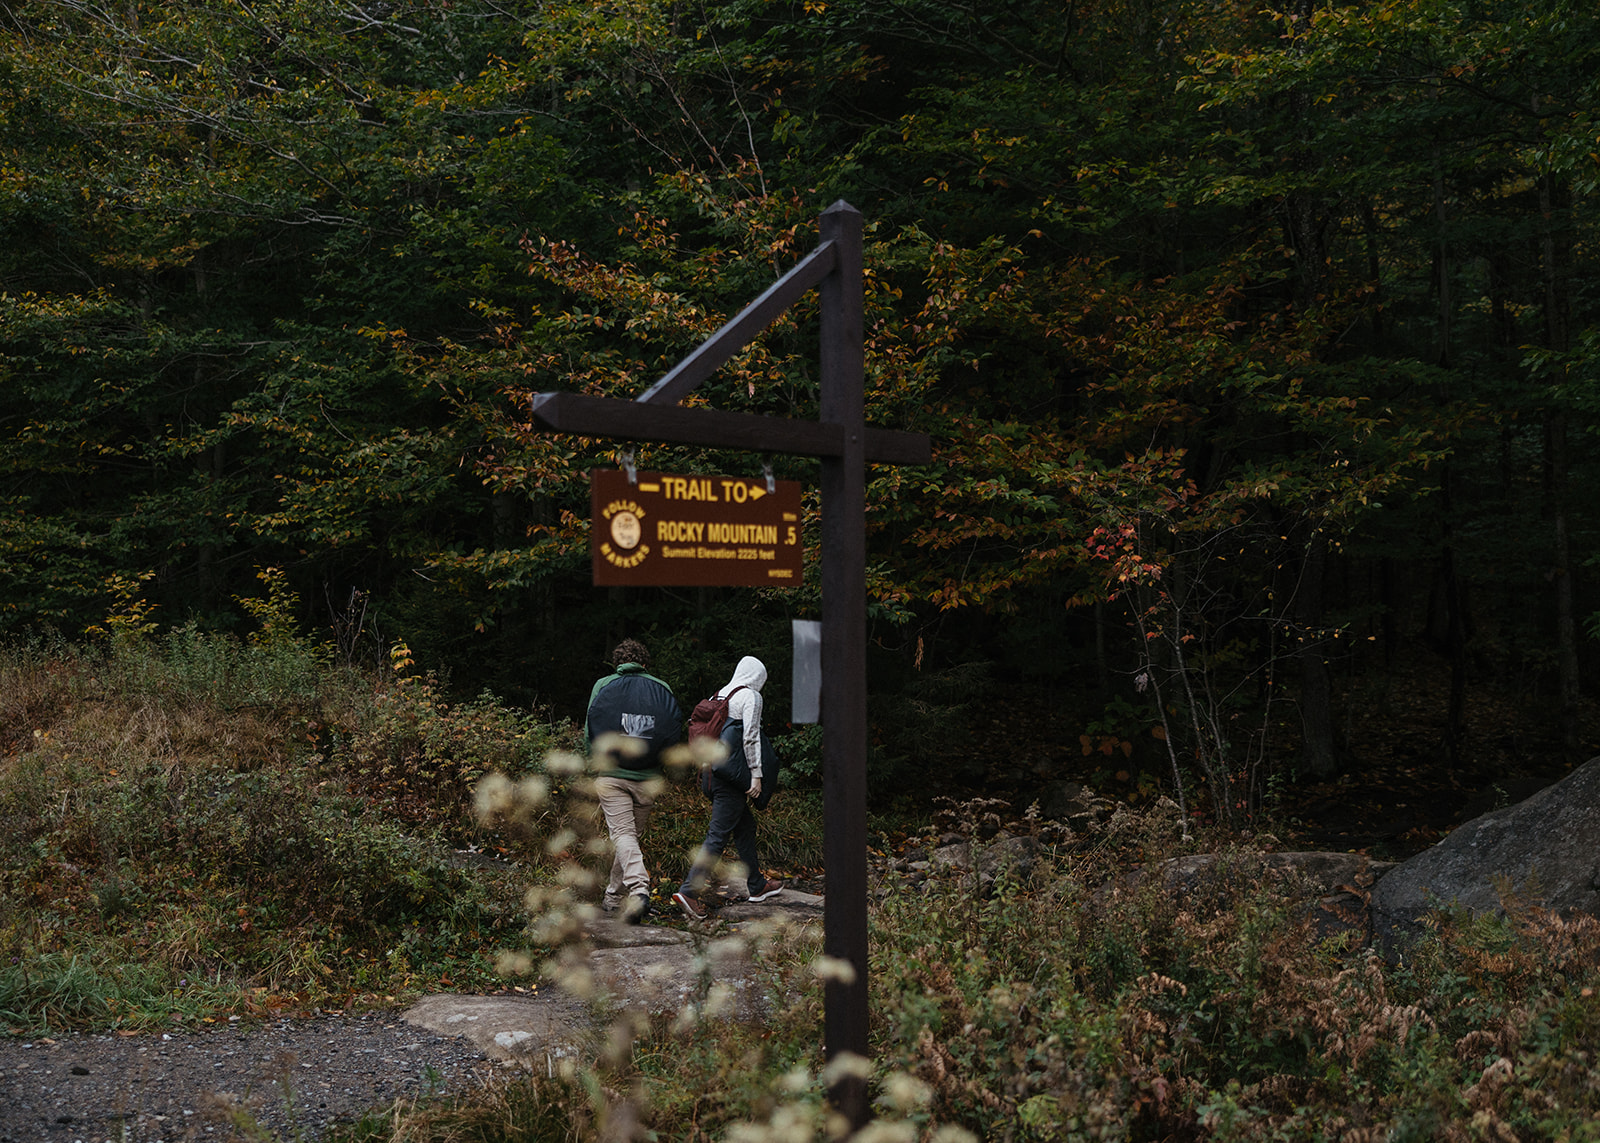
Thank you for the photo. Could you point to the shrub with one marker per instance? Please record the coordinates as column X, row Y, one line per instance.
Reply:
column 414, row 744
column 1081, row 1006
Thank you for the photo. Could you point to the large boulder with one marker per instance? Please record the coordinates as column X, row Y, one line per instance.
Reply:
column 1545, row 851
column 1063, row 801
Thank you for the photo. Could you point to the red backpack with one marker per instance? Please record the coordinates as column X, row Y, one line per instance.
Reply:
column 710, row 715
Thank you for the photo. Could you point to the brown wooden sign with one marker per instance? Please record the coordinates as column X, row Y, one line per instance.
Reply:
column 668, row 530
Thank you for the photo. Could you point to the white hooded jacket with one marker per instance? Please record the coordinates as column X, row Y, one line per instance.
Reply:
column 751, row 674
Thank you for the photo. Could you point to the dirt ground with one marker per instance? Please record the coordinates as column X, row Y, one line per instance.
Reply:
column 294, row 1077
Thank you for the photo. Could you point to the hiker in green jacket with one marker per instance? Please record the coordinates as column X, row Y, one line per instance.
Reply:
column 632, row 718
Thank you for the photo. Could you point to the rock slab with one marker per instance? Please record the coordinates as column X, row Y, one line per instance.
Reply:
column 532, row 1030
column 650, row 968
column 1332, row 888
column 1318, row 873
column 1546, row 850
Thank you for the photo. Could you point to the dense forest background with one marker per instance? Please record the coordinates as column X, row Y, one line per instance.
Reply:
column 1257, row 346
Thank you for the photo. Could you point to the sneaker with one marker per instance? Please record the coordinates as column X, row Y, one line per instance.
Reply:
column 637, row 909
column 609, row 906
column 692, row 909
column 769, row 890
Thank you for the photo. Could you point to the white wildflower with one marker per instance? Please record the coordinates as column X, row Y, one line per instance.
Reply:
column 827, row 968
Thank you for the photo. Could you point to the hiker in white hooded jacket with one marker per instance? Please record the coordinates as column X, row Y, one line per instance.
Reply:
column 732, row 818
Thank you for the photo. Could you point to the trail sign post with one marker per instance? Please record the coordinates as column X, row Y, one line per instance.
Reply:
column 685, row 531
column 845, row 444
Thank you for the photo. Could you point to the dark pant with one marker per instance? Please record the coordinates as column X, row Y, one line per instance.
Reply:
column 731, row 818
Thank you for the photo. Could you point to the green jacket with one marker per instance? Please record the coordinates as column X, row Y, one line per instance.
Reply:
column 632, row 701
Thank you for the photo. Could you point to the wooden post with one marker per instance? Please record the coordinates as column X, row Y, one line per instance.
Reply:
column 844, row 657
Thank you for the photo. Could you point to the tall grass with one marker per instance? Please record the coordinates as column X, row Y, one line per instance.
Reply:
column 1074, row 1001
column 194, row 823
column 66, row 990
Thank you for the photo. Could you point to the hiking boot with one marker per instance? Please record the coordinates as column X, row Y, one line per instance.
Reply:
column 609, row 906
column 637, row 909
column 692, row 909
column 767, row 892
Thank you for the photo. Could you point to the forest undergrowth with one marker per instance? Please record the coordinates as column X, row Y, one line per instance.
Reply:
column 195, row 827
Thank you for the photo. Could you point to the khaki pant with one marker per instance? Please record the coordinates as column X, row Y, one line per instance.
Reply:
column 626, row 805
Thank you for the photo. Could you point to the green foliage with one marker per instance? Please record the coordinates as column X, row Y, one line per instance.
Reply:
column 1154, row 1012
column 191, row 664
column 235, row 880
column 801, row 749
column 224, row 242
column 172, row 852
column 275, row 613
column 129, row 620
column 790, row 832
column 276, row 296
column 64, row 991
column 552, row 1108
column 927, row 727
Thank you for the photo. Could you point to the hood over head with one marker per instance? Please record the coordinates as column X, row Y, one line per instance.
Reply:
column 751, row 672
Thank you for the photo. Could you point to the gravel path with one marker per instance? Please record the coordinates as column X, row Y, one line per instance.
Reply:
column 163, row 1087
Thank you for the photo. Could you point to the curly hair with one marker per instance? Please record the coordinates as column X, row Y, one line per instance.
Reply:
column 630, row 651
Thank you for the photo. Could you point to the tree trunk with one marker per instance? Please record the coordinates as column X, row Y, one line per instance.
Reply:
column 1457, row 627
column 1389, row 597
column 1102, row 661
column 1561, row 575
column 1455, row 721
column 1369, row 219
column 1441, row 274
column 1553, row 271
column 1319, row 751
